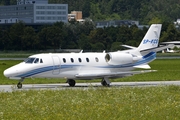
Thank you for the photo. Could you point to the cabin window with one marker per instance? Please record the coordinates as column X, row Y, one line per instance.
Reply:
column 64, row 60
column 79, row 59
column 36, row 60
column 72, row 60
column 97, row 60
column 41, row 61
column 29, row 60
column 87, row 59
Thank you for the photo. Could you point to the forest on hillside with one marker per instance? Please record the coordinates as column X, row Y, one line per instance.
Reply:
column 86, row 36
column 20, row 37
column 145, row 11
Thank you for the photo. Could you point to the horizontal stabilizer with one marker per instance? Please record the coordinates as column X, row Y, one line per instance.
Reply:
column 127, row 46
column 164, row 47
column 159, row 48
column 145, row 66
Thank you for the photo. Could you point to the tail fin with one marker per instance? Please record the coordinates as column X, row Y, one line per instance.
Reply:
column 151, row 39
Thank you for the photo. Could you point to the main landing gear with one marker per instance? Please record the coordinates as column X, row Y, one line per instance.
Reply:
column 105, row 82
column 19, row 85
column 71, row 82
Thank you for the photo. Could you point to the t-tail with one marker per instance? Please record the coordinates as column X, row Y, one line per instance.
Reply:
column 150, row 40
column 148, row 46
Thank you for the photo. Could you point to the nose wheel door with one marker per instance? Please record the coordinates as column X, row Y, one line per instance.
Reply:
column 56, row 65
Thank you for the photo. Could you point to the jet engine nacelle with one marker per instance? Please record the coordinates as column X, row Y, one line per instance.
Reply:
column 115, row 58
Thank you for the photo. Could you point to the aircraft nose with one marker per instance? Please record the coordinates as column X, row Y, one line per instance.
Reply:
column 10, row 73
column 7, row 73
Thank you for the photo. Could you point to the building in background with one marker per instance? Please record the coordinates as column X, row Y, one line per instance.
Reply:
column 34, row 11
column 75, row 15
column 115, row 23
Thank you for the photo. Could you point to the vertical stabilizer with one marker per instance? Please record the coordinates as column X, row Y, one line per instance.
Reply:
column 151, row 39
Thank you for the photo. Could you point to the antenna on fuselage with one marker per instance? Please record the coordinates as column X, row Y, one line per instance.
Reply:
column 81, row 51
column 104, row 51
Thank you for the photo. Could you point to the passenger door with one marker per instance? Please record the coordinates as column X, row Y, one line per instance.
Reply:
column 56, row 65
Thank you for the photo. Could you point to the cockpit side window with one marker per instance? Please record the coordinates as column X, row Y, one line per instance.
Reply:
column 36, row 60
column 29, row 60
column 41, row 61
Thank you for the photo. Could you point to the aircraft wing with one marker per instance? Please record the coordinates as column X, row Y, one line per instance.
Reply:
column 111, row 74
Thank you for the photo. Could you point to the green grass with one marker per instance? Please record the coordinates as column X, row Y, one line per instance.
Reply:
column 125, row 103
column 168, row 69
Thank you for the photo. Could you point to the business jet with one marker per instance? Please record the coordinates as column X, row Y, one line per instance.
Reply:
column 105, row 65
column 171, row 51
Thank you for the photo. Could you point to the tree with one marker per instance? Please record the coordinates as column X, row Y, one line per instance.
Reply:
column 124, row 34
column 55, row 36
column 1, row 41
column 171, row 34
column 84, row 43
column 116, row 46
column 86, row 26
column 86, row 9
column 29, row 39
column 98, row 46
column 51, row 37
column 15, row 34
column 71, row 36
column 137, row 35
column 155, row 20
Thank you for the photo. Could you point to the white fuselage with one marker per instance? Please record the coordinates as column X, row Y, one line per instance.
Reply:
column 66, row 65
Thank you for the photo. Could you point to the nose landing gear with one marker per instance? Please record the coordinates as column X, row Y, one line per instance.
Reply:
column 19, row 85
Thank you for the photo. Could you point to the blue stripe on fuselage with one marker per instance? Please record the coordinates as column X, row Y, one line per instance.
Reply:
column 44, row 69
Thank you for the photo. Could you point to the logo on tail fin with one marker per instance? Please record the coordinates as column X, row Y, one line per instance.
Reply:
column 153, row 41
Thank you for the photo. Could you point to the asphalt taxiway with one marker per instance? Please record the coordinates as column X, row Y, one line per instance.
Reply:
column 10, row 88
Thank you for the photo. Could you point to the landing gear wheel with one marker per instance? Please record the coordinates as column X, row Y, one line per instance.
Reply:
column 19, row 85
column 71, row 82
column 104, row 83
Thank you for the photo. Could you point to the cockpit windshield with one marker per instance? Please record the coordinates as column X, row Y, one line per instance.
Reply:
column 36, row 60
column 29, row 60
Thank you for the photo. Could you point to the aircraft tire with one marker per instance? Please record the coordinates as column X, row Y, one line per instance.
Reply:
column 19, row 85
column 104, row 83
column 71, row 82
